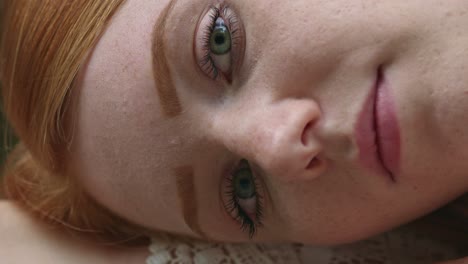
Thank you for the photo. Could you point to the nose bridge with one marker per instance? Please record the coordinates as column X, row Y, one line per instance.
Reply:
column 278, row 136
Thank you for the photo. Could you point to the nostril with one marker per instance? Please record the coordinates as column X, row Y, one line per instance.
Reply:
column 306, row 133
column 316, row 164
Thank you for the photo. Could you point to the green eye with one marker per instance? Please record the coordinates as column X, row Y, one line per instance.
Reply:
column 244, row 185
column 220, row 40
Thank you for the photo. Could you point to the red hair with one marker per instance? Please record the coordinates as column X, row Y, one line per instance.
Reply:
column 44, row 45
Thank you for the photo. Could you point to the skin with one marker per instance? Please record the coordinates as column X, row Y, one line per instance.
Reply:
column 22, row 233
column 307, row 69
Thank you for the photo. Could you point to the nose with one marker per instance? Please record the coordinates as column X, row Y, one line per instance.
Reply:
column 279, row 138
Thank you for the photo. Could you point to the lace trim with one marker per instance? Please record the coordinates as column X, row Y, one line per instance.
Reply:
column 172, row 252
column 396, row 247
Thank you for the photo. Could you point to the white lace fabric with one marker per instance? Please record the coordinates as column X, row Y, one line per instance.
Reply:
column 397, row 247
column 181, row 252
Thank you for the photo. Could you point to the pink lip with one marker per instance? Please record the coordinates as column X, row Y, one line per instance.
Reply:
column 377, row 131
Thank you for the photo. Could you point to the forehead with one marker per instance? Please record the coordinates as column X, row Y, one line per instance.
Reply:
column 123, row 143
column 117, row 92
column 124, row 51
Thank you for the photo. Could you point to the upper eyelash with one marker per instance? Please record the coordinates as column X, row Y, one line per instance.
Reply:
column 247, row 225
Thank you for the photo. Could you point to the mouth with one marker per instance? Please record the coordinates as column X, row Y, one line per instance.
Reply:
column 377, row 131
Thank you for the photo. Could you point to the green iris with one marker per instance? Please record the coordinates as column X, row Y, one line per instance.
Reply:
column 220, row 40
column 244, row 185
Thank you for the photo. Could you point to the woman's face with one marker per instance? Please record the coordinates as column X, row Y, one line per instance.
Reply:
column 311, row 121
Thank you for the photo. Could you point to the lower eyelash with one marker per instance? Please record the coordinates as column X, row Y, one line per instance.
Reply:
column 247, row 225
column 208, row 66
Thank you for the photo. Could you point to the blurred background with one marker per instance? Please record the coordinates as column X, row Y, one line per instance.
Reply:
column 7, row 140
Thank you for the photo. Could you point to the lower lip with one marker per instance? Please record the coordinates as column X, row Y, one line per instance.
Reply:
column 377, row 131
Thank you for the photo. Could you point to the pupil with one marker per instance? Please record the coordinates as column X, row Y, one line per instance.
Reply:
column 245, row 183
column 219, row 39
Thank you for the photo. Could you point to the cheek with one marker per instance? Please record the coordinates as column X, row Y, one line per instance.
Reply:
column 331, row 216
column 332, row 213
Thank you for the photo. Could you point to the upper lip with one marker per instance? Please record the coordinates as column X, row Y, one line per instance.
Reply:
column 367, row 132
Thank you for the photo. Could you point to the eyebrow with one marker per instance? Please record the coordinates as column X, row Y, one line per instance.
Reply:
column 186, row 191
column 168, row 97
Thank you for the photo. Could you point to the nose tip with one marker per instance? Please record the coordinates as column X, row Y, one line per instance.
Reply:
column 293, row 151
